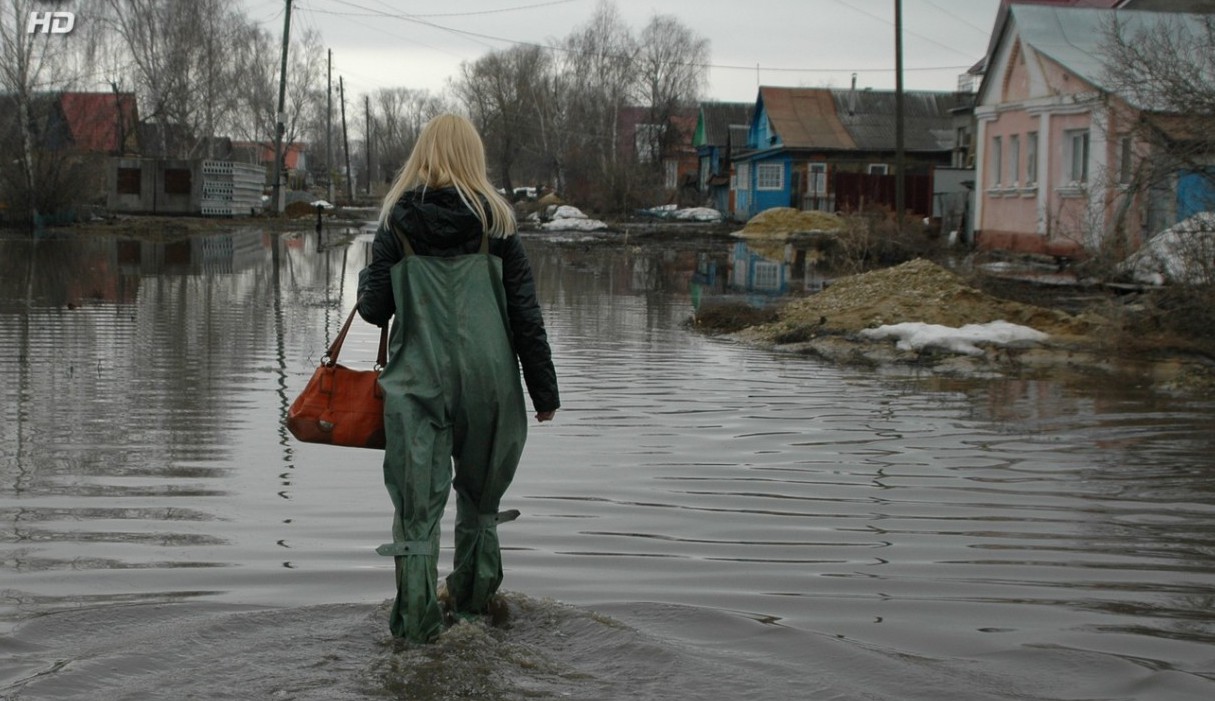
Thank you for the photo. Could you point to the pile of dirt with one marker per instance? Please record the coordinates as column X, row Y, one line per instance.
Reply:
column 786, row 220
column 298, row 210
column 915, row 291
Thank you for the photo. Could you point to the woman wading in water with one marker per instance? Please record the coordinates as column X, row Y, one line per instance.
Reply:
column 448, row 268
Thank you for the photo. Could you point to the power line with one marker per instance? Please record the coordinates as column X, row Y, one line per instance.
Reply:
column 474, row 13
column 955, row 16
column 415, row 19
column 880, row 18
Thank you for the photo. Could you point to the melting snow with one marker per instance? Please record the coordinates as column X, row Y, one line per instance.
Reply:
column 567, row 218
column 917, row 335
column 1185, row 252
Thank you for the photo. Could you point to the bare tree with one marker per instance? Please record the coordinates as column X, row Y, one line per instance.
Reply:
column 672, row 69
column 1165, row 69
column 33, row 67
column 496, row 90
column 600, row 60
column 553, row 127
column 256, row 92
column 398, row 115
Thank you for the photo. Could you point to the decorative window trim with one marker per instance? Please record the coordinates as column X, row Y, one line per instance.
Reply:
column 769, row 176
column 818, row 179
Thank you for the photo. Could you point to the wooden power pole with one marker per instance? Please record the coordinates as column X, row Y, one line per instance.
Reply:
column 367, row 145
column 280, row 118
column 346, row 141
column 329, row 126
column 900, row 194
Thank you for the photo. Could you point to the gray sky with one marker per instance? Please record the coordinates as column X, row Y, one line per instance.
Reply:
column 420, row 43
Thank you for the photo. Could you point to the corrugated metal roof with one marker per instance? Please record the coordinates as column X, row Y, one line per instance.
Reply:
column 805, row 118
column 869, row 116
column 1073, row 37
column 718, row 117
column 97, row 119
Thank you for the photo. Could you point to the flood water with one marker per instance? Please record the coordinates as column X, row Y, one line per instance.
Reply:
column 703, row 520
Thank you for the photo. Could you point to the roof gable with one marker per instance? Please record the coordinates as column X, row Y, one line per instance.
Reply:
column 99, row 121
column 803, row 118
column 869, row 116
column 853, row 120
column 1072, row 38
column 716, row 118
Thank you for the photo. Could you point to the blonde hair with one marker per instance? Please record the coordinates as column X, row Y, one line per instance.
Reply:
column 450, row 153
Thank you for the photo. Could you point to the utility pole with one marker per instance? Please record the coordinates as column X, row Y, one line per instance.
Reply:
column 367, row 145
column 281, row 117
column 329, row 126
column 346, row 141
column 900, row 195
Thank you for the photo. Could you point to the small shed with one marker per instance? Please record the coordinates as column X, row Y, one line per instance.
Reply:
column 184, row 186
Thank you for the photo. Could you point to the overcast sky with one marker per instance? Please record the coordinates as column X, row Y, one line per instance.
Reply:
column 420, row 43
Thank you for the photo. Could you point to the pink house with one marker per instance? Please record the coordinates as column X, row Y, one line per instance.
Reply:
column 1055, row 149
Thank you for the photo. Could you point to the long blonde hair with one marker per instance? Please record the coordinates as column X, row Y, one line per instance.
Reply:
column 450, row 153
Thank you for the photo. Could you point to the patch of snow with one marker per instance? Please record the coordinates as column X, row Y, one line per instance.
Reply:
column 918, row 335
column 566, row 211
column 321, row 203
column 583, row 224
column 697, row 214
column 1185, row 252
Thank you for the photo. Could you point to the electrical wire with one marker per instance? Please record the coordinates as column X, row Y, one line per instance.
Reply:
column 415, row 19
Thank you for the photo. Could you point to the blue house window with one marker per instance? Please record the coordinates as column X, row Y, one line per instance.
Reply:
column 767, row 276
column 770, row 176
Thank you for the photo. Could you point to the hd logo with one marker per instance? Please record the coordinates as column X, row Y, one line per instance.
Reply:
column 50, row 22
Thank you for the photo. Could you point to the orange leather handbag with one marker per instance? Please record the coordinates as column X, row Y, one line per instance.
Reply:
column 341, row 406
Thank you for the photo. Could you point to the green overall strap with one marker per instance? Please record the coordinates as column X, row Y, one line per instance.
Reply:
column 408, row 248
column 405, row 245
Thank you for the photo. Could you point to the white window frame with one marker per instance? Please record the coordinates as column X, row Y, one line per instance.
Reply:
column 769, row 176
column 743, row 174
column 997, row 161
column 878, row 169
column 1014, row 160
column 1126, row 160
column 817, row 174
column 767, row 276
column 670, row 171
column 1076, row 145
column 1031, row 158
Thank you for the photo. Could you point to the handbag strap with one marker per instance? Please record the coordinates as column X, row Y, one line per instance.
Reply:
column 331, row 355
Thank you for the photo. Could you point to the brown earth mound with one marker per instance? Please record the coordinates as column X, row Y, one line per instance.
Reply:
column 786, row 220
column 296, row 210
column 915, row 291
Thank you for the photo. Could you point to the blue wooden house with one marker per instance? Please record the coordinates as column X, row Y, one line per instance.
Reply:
column 834, row 150
column 721, row 133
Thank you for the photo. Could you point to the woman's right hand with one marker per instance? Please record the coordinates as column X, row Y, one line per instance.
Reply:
column 543, row 416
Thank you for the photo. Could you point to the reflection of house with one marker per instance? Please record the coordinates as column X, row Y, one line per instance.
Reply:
column 753, row 272
column 216, row 253
column 1057, row 151
column 834, row 150
column 721, row 132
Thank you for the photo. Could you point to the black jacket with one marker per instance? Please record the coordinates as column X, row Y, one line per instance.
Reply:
column 438, row 223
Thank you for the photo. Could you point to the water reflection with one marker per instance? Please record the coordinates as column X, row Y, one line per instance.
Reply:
column 1013, row 524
